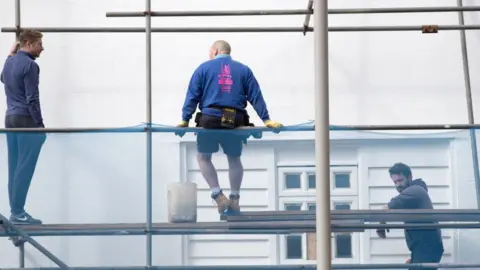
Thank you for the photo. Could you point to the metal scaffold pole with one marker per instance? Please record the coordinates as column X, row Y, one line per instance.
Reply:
column 148, row 52
column 12, row 229
column 21, row 245
column 468, row 95
column 306, row 22
column 322, row 135
column 21, row 257
column 286, row 12
column 170, row 129
column 396, row 28
column 17, row 18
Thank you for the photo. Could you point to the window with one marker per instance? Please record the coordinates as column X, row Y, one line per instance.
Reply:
column 292, row 180
column 342, row 243
column 312, row 181
column 293, row 206
column 297, row 193
column 301, row 181
column 341, row 180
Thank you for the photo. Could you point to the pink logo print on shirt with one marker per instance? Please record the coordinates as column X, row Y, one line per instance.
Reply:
column 225, row 79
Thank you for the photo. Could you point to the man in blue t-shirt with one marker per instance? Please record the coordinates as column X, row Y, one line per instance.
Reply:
column 20, row 75
column 221, row 87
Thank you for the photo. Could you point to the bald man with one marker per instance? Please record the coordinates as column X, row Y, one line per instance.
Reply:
column 222, row 87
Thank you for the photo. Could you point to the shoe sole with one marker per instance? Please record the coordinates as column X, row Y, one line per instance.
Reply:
column 26, row 223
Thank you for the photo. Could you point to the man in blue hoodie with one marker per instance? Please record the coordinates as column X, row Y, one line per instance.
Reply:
column 20, row 75
column 426, row 245
column 221, row 87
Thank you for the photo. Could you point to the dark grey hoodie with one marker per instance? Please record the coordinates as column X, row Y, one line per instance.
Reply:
column 415, row 196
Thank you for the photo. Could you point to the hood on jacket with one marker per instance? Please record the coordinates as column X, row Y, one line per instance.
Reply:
column 419, row 182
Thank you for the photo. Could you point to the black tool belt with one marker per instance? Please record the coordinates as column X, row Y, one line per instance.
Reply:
column 231, row 118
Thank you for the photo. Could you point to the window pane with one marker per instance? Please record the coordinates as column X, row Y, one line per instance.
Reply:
column 342, row 180
column 294, row 246
column 292, row 180
column 341, row 206
column 311, row 181
column 293, row 206
column 312, row 206
column 343, row 244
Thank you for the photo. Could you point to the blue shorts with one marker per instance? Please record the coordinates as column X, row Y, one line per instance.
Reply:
column 210, row 142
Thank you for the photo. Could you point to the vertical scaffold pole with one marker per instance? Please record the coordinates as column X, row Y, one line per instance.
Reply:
column 468, row 95
column 21, row 256
column 322, row 134
column 21, row 247
column 17, row 18
column 148, row 53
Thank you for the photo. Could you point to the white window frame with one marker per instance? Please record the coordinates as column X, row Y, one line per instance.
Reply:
column 353, row 190
column 305, row 196
column 353, row 200
column 305, row 191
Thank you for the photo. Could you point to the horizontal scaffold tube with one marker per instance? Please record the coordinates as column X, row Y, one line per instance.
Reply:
column 239, row 227
column 240, row 29
column 172, row 129
column 282, row 227
column 136, row 232
column 437, row 215
column 72, row 130
column 210, row 13
column 270, row 267
column 200, row 231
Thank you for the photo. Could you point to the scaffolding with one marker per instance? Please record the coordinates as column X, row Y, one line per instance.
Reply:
column 322, row 221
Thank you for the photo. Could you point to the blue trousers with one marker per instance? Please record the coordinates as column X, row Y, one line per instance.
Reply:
column 23, row 152
column 426, row 254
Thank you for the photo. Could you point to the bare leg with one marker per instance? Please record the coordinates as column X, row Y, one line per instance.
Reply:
column 235, row 174
column 208, row 171
column 210, row 175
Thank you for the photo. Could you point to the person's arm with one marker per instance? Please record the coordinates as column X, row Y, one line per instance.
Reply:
column 31, row 81
column 193, row 96
column 382, row 233
column 1, row 77
column 13, row 51
column 255, row 97
column 408, row 199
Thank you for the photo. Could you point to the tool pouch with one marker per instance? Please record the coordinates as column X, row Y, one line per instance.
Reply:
column 228, row 118
column 197, row 119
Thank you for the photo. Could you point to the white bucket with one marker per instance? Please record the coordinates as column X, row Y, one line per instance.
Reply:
column 182, row 202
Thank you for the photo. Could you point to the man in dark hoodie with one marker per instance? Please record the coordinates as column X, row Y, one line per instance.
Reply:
column 425, row 245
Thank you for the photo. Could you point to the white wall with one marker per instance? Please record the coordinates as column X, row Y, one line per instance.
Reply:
column 256, row 196
column 98, row 80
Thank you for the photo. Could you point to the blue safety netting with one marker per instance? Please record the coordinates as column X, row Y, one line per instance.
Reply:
column 306, row 126
column 100, row 176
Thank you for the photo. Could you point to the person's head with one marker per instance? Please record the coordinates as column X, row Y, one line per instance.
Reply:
column 219, row 47
column 401, row 175
column 31, row 42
